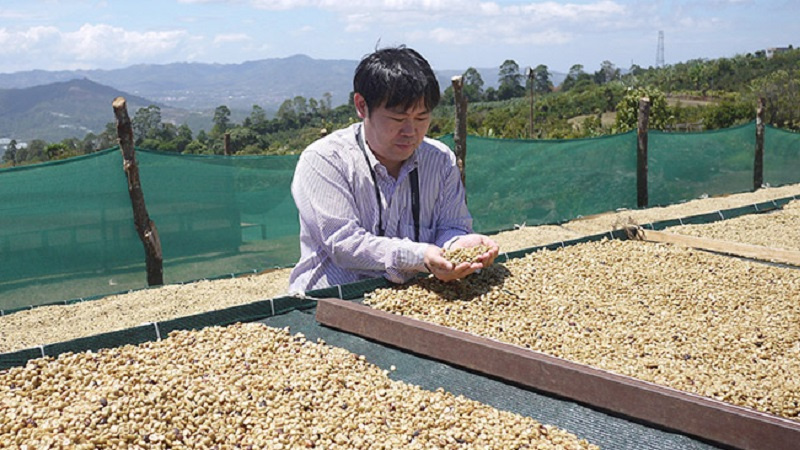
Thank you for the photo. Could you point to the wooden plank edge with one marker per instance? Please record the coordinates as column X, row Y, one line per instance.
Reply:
column 670, row 408
column 759, row 252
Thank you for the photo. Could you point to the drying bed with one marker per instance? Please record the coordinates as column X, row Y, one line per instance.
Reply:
column 703, row 324
column 245, row 386
column 776, row 229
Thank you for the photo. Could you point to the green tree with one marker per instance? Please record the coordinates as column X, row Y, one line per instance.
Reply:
column 628, row 110
column 592, row 126
column 313, row 106
column 10, row 155
column 473, row 85
column 221, row 120
column 727, row 113
column 194, row 148
column 510, row 81
column 506, row 123
column 167, row 132
column 23, row 156
column 608, row 72
column 541, row 80
column 300, row 106
column 57, row 151
column 472, row 88
column 574, row 74
column 146, row 123
column 183, row 137
column 326, row 105
column 448, row 96
column 257, row 120
column 89, row 143
column 781, row 92
column 35, row 152
column 242, row 137
column 108, row 138
column 287, row 114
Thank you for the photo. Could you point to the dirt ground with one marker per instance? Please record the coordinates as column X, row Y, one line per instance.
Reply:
column 51, row 324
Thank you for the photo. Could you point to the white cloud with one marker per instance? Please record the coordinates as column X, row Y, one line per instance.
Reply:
column 701, row 24
column 490, row 9
column 445, row 35
column 352, row 5
column 17, row 42
column 285, row 5
column 444, row 10
column 547, row 37
column 231, row 38
column 491, row 23
column 106, row 42
column 356, row 22
column 569, row 11
column 91, row 45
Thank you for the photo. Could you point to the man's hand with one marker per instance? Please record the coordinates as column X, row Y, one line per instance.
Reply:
column 444, row 270
column 473, row 240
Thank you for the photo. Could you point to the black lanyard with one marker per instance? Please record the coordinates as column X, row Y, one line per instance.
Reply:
column 413, row 178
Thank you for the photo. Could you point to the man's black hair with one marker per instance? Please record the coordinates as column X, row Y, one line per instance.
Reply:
column 397, row 76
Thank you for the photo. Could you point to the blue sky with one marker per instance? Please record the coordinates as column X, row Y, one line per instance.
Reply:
column 452, row 34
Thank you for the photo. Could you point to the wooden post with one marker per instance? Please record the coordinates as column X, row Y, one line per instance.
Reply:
column 530, row 83
column 758, row 164
column 226, row 144
column 145, row 227
column 460, row 134
column 641, row 152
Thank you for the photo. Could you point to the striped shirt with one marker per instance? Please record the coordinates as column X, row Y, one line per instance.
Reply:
column 336, row 199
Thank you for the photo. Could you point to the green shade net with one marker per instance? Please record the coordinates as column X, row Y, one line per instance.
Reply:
column 781, row 156
column 533, row 182
column 221, row 215
column 683, row 166
column 66, row 227
column 67, row 230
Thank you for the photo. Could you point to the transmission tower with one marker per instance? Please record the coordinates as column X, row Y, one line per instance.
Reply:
column 660, row 51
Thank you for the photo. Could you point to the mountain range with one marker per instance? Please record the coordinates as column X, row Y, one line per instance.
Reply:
column 56, row 111
column 197, row 86
column 53, row 105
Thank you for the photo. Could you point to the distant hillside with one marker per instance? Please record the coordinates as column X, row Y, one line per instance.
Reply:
column 203, row 87
column 56, row 111
column 53, row 105
column 198, row 86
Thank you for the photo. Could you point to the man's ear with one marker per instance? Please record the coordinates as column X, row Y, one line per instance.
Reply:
column 361, row 105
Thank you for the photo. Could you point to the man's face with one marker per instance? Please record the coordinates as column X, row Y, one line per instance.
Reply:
column 393, row 133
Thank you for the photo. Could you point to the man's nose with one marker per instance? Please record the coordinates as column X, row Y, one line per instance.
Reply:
column 407, row 127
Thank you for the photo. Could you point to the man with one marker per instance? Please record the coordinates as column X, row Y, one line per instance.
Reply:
column 379, row 198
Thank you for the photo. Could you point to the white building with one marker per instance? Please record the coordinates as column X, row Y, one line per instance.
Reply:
column 775, row 50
